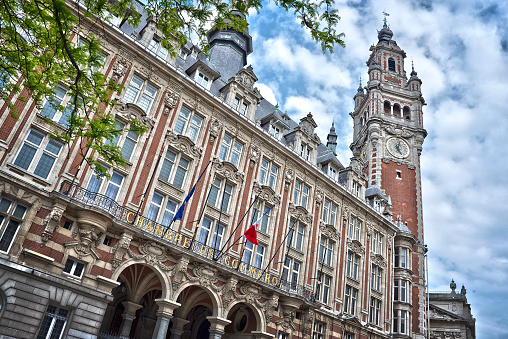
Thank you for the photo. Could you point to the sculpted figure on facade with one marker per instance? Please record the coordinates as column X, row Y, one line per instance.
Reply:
column 51, row 222
column 120, row 67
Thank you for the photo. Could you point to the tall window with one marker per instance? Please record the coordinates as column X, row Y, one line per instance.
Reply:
column 350, row 298
column 332, row 173
column 296, row 235
column 268, row 174
column 323, row 287
column 265, row 222
column 51, row 108
column 301, row 194
column 244, row 107
column 157, row 48
column 353, row 262
column 275, row 131
column 329, row 212
column 202, row 80
column 220, row 194
column 174, row 169
column 141, row 93
column 161, row 209
column 305, row 151
column 230, row 150
column 391, row 64
column 357, row 188
column 400, row 290
column 188, row 124
column 349, row 335
column 11, row 216
column 129, row 144
column 375, row 279
column 325, row 250
column 53, row 323
column 375, row 311
column 319, row 330
column 211, row 233
column 251, row 258
column 377, row 242
column 400, row 257
column 355, row 228
column 291, row 272
column 38, row 154
column 400, row 322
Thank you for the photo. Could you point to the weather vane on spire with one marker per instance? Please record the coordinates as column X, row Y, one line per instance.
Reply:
column 385, row 14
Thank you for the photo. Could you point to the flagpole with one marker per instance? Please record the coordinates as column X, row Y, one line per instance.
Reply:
column 151, row 179
column 220, row 217
column 322, row 263
column 278, row 248
column 245, row 242
column 202, row 212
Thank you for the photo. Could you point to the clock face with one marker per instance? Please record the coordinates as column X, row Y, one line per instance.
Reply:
column 397, row 147
column 363, row 152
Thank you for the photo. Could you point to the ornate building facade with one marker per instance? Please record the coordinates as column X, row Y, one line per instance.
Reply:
column 340, row 251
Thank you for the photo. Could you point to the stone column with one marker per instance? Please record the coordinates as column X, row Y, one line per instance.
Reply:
column 164, row 315
column 177, row 329
column 128, row 317
column 217, row 325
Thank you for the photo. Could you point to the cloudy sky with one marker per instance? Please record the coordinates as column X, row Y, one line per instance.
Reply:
column 460, row 51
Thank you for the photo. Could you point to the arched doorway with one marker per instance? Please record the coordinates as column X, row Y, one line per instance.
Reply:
column 243, row 321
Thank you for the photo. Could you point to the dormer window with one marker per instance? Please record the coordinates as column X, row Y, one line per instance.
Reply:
column 182, row 54
column 391, row 64
column 244, row 107
column 356, row 188
column 305, row 151
column 157, row 48
column 240, row 105
column 203, row 80
column 275, row 131
column 236, row 103
column 332, row 173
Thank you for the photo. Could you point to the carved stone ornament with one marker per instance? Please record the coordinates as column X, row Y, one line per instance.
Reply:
column 301, row 212
column 266, row 193
column 355, row 246
column 204, row 275
column 397, row 131
column 215, row 128
column 387, row 158
column 228, row 171
column 319, row 196
column 378, row 260
column 88, row 237
column 288, row 316
column 120, row 68
column 120, row 249
column 196, row 104
column 170, row 100
column 308, row 320
column 445, row 335
column 128, row 112
column 51, row 222
column 154, row 254
column 183, row 144
column 254, row 155
column 329, row 231
column 288, row 178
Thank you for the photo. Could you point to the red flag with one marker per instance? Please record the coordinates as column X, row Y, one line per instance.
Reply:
column 252, row 235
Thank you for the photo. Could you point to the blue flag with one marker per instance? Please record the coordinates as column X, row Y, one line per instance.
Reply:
column 179, row 213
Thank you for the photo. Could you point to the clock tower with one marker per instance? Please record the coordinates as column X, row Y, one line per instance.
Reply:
column 387, row 143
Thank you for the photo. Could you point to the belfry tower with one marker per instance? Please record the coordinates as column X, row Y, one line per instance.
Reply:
column 387, row 143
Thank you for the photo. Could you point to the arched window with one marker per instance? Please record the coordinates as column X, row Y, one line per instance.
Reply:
column 387, row 107
column 396, row 111
column 407, row 113
column 391, row 64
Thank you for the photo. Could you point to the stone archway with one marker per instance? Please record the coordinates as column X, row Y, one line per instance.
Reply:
column 245, row 322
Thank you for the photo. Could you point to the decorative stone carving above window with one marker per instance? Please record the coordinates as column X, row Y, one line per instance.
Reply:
column 378, row 260
column 300, row 211
column 329, row 231
column 288, row 316
column 120, row 249
column 170, row 100
column 228, row 170
column 128, row 112
column 153, row 253
column 91, row 226
column 355, row 246
column 183, row 144
column 51, row 222
column 120, row 67
column 254, row 155
column 266, row 193
column 397, row 131
column 215, row 128
column 288, row 178
column 197, row 105
column 318, row 197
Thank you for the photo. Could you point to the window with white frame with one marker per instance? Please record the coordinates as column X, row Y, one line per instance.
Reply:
column 350, row 299
column 211, row 233
column 230, row 150
column 349, row 335
column 282, row 335
column 265, row 222
column 188, row 124
column 400, row 322
column 374, row 311
column 38, row 154
column 305, row 151
column 127, row 140
column 301, row 194
column 319, row 330
column 53, row 323
column 400, row 257
column 296, row 235
column 325, row 250
column 162, row 209
column 53, row 107
column 323, row 287
column 375, row 278
column 244, row 107
column 275, row 131
column 356, row 188
column 291, row 272
column 400, row 290
column 202, row 79
column 355, row 228
column 329, row 212
column 268, row 174
column 141, row 93
column 236, row 103
column 157, row 48
column 220, row 194
column 174, row 168
column 377, row 205
column 377, row 242
column 332, row 173
column 11, row 216
column 352, row 265
column 74, row 268
column 253, row 258
column 111, row 189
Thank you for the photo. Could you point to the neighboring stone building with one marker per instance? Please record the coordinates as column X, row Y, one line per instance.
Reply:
column 450, row 315
column 82, row 257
